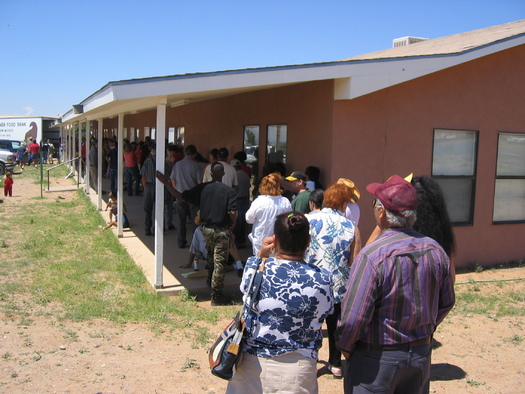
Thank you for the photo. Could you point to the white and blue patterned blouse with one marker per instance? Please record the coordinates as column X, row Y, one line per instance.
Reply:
column 331, row 237
column 294, row 300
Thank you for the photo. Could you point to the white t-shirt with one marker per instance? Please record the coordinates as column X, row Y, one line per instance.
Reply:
column 262, row 214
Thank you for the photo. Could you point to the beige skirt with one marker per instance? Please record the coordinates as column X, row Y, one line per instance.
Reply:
column 288, row 373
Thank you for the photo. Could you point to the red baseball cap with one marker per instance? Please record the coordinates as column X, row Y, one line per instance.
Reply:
column 396, row 194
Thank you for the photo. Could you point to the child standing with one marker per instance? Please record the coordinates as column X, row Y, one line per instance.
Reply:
column 8, row 184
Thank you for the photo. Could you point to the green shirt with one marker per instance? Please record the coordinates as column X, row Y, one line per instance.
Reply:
column 300, row 202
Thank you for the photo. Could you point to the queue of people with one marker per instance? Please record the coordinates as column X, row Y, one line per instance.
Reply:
column 380, row 301
column 389, row 297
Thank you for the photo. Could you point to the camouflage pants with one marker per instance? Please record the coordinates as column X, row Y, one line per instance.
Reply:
column 218, row 248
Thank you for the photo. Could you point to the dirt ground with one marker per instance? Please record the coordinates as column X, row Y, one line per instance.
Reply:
column 472, row 353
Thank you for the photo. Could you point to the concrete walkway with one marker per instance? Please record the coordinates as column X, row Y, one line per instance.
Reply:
column 141, row 249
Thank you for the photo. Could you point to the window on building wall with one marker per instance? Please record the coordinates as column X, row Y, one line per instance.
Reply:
column 454, row 168
column 276, row 144
column 251, row 144
column 153, row 133
column 171, row 135
column 509, row 195
column 180, row 136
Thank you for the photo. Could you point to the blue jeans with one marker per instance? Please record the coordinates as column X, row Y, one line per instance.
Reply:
column 388, row 371
column 132, row 173
column 184, row 210
column 113, row 180
column 149, row 205
column 168, row 211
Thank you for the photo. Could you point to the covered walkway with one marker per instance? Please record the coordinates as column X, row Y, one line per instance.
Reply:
column 141, row 249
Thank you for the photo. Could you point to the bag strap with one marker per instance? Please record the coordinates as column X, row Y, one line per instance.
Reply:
column 260, row 262
column 254, row 286
column 258, row 275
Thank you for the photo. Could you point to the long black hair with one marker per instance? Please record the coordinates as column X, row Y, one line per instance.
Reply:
column 433, row 219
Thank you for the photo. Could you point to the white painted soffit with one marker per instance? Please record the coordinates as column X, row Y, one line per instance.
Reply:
column 353, row 78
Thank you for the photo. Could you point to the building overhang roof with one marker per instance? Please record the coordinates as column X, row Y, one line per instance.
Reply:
column 353, row 77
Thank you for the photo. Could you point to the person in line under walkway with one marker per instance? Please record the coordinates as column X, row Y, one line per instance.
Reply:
column 218, row 212
column 296, row 183
column 185, row 175
column 198, row 251
column 147, row 173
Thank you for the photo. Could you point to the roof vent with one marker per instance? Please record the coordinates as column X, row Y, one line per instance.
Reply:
column 403, row 41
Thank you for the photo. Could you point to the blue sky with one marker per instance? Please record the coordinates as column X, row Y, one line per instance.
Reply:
column 56, row 53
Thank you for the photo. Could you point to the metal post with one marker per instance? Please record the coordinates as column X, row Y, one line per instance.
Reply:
column 88, row 143
column 120, row 175
column 100, row 166
column 159, row 192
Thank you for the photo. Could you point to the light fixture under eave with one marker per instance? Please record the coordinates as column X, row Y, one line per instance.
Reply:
column 179, row 103
column 78, row 109
column 133, row 112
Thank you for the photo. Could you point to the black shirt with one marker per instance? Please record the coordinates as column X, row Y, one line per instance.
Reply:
column 215, row 200
column 112, row 155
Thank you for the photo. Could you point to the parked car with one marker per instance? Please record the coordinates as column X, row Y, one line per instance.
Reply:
column 11, row 145
column 7, row 161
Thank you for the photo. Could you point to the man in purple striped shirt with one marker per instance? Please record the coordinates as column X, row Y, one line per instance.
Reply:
column 399, row 290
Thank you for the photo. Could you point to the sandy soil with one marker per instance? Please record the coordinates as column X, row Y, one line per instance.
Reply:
column 472, row 353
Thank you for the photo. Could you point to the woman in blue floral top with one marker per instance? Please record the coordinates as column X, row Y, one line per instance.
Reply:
column 334, row 242
column 283, row 332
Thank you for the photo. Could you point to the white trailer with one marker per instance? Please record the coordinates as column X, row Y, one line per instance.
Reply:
column 21, row 128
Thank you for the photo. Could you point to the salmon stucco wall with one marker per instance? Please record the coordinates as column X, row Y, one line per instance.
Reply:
column 306, row 109
column 391, row 132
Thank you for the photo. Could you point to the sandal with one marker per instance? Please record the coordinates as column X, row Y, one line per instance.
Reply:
column 336, row 371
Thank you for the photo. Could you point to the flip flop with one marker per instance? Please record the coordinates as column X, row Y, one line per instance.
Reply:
column 336, row 371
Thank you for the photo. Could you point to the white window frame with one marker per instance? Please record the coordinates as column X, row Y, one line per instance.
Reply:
column 276, row 147
column 454, row 164
column 509, row 188
column 179, row 135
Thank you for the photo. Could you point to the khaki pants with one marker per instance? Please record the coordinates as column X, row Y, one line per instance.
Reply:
column 288, row 373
